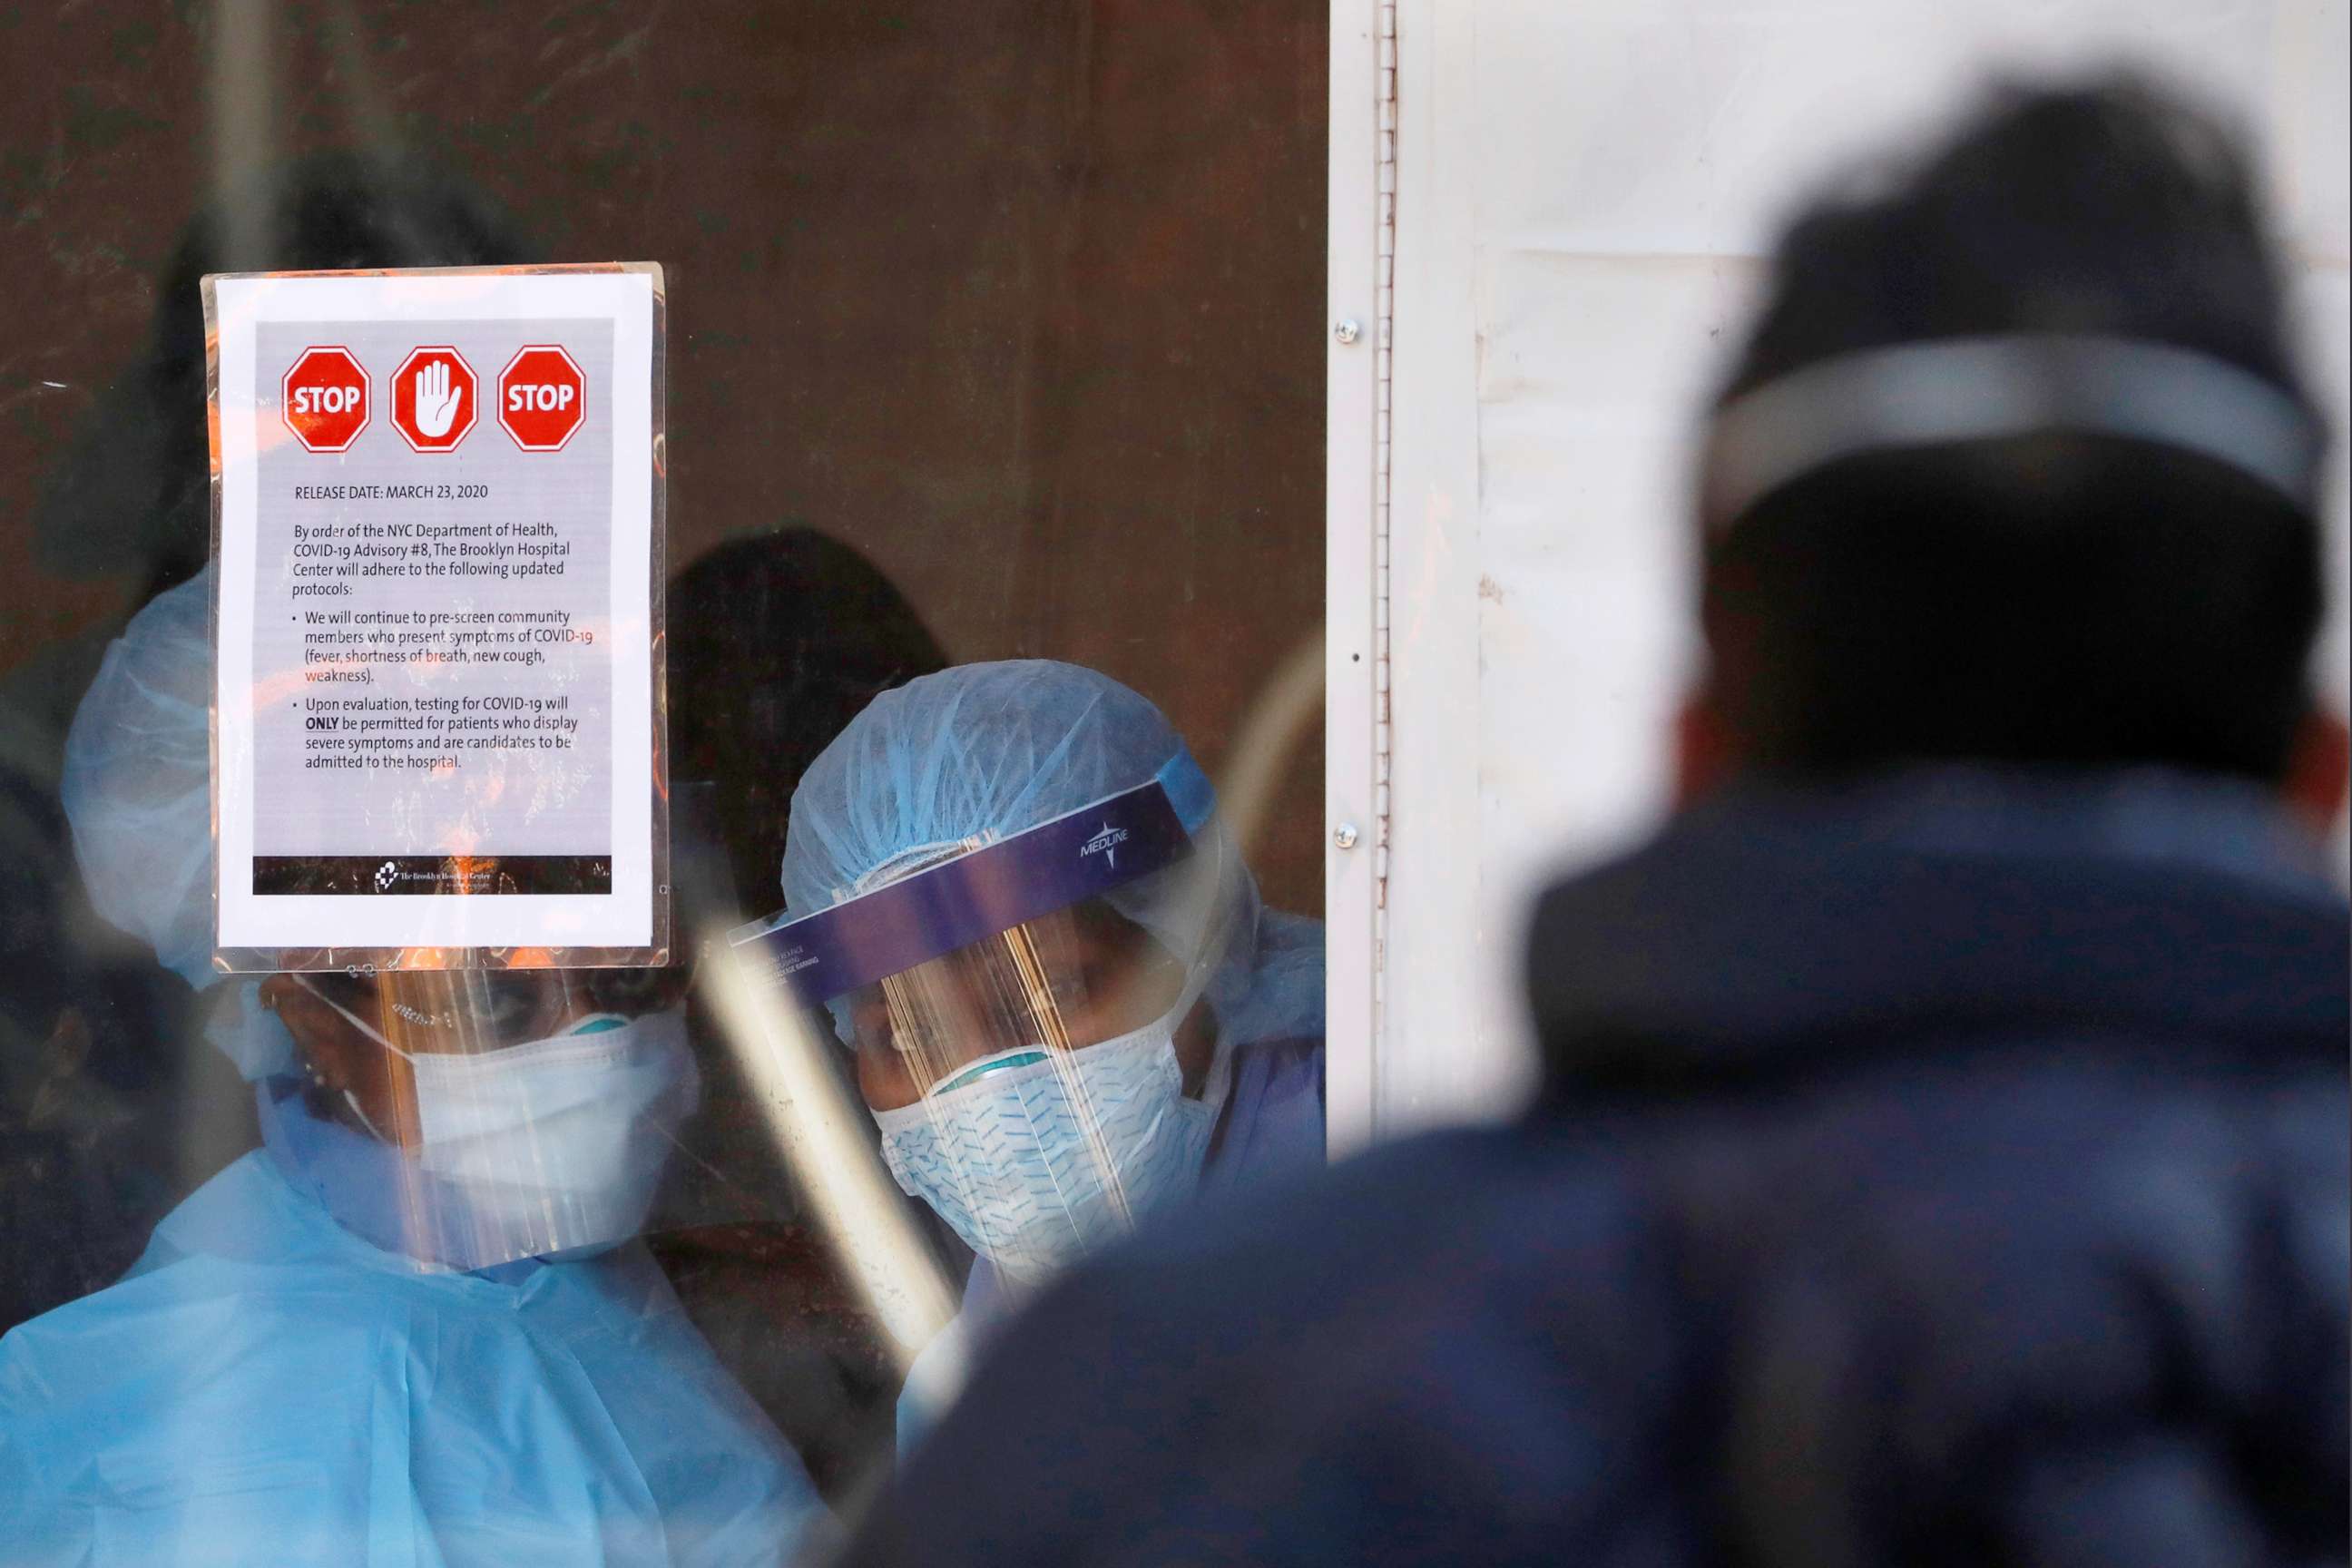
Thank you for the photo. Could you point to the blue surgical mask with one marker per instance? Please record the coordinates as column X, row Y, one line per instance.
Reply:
column 1037, row 1156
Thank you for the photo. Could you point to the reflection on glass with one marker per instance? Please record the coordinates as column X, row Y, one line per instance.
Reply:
column 1006, row 298
column 778, row 637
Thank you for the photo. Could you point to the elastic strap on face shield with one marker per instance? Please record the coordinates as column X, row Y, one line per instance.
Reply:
column 1083, row 854
column 353, row 1020
column 594, row 1024
column 1953, row 391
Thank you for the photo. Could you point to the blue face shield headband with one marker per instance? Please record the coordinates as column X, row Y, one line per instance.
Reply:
column 989, row 889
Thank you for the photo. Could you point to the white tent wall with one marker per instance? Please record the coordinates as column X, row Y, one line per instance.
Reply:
column 1582, row 194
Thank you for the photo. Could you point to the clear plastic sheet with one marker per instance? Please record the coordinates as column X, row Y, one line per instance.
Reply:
column 396, row 660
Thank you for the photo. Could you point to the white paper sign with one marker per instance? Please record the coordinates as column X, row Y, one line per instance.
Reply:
column 436, row 711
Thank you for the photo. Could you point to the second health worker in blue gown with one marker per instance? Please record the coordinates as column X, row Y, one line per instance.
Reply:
column 1068, row 1006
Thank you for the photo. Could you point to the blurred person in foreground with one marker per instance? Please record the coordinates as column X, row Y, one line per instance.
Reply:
column 1942, row 1156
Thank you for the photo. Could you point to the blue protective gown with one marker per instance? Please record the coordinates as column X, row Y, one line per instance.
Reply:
column 265, row 1387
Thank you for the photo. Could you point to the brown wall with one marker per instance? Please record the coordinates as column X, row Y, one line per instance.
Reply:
column 1023, row 300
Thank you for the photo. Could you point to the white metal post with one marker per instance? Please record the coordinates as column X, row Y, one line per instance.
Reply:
column 1357, row 348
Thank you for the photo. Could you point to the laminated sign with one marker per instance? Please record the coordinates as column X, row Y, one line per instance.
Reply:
column 438, row 715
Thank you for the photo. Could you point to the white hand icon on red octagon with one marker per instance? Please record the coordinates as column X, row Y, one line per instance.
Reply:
column 435, row 397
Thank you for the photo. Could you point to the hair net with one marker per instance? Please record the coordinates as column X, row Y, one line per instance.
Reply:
column 137, row 794
column 985, row 751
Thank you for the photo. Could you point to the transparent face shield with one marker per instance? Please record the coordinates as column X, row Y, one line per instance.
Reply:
column 468, row 1118
column 1027, row 1022
column 1064, row 981
column 472, row 1012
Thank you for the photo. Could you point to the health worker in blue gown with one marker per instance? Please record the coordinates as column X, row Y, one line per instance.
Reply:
column 414, row 1330
column 1009, row 885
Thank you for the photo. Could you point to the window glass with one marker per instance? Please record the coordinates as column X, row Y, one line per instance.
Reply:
column 993, row 462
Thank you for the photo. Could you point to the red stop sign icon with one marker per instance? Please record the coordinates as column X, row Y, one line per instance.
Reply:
column 324, row 399
column 542, row 398
column 434, row 395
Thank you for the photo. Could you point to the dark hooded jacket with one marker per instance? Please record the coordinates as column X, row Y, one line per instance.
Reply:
column 1950, row 1170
